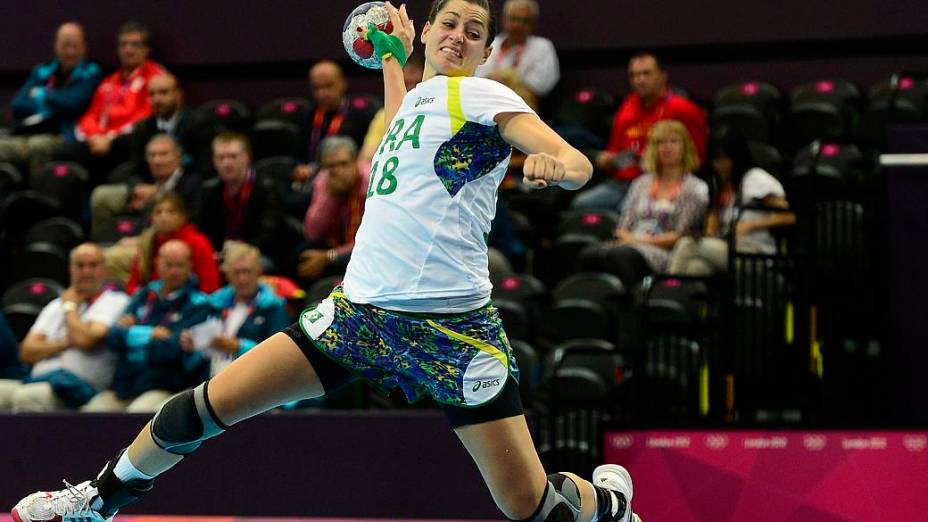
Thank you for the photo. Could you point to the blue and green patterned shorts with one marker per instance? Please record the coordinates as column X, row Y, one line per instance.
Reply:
column 460, row 360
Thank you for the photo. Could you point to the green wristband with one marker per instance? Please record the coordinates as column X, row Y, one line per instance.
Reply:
column 386, row 45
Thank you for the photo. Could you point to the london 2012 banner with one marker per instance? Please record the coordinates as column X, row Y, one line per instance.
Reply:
column 793, row 476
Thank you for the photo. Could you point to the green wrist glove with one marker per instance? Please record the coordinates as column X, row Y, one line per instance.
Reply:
column 386, row 45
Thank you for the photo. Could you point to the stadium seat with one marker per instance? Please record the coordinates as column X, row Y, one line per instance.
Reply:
column 830, row 159
column 25, row 206
column 231, row 114
column 597, row 223
column 561, row 258
column 11, row 179
column 66, row 183
column 745, row 118
column 123, row 173
column 807, row 121
column 591, row 109
column 568, row 319
column 277, row 170
column 761, row 95
column 605, row 289
column 523, row 288
column 124, row 226
column 60, row 231
column 21, row 317
column 43, row 259
column 516, row 319
column 767, row 157
column 37, row 291
column 596, row 355
column 529, row 369
column 275, row 138
column 292, row 109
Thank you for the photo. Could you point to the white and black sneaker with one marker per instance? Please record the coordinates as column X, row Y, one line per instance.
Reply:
column 71, row 504
column 616, row 479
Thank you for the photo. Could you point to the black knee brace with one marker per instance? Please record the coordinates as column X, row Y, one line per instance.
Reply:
column 185, row 421
column 560, row 503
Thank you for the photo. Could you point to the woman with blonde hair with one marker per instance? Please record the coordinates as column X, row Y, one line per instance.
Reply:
column 663, row 204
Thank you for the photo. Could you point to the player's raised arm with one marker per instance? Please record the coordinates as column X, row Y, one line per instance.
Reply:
column 551, row 161
column 393, row 49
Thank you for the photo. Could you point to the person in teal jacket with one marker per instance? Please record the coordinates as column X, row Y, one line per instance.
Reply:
column 247, row 309
column 152, row 366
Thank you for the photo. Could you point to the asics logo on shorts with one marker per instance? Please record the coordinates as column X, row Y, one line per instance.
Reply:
column 485, row 384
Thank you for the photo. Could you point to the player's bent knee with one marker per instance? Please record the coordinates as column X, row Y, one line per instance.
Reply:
column 560, row 503
column 185, row 421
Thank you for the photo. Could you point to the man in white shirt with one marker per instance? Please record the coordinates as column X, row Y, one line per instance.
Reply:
column 65, row 346
column 533, row 58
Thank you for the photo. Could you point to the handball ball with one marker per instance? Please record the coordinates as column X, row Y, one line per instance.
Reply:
column 359, row 49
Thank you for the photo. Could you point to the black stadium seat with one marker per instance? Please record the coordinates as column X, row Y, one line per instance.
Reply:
column 292, row 109
column 37, row 291
column 747, row 119
column 21, row 209
column 516, row 319
column 60, row 231
column 598, row 223
column 43, row 259
column 275, row 138
column 231, row 114
column 124, row 226
column 21, row 317
column 66, row 183
column 11, row 179
column 278, row 170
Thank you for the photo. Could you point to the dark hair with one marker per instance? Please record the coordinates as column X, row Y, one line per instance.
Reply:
column 648, row 54
column 135, row 27
column 729, row 142
column 174, row 199
column 487, row 5
column 229, row 136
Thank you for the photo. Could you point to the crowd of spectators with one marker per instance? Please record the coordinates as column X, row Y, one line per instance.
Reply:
column 146, row 313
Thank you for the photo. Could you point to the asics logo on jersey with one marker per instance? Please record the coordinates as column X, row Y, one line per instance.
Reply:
column 424, row 101
column 485, row 384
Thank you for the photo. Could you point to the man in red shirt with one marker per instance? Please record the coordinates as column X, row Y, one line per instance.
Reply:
column 649, row 102
column 104, row 131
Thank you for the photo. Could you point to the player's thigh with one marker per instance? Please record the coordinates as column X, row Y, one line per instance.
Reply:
column 507, row 460
column 271, row 374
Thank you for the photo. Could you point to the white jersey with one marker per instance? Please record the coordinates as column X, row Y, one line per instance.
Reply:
column 422, row 244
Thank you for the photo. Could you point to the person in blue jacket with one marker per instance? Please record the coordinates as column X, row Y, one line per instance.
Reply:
column 248, row 310
column 47, row 107
column 152, row 366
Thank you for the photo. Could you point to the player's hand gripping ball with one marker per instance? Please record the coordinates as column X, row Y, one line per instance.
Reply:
column 355, row 33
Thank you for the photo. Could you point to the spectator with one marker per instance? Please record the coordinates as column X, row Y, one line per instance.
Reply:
column 331, row 113
column 47, row 106
column 651, row 101
column 193, row 132
column 70, row 363
column 170, row 221
column 738, row 183
column 519, row 54
column 151, row 365
column 121, row 100
column 237, row 206
column 334, row 215
column 164, row 161
column 247, row 309
column 663, row 204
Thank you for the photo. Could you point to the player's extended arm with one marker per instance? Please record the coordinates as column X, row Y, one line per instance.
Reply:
column 393, row 49
column 570, row 169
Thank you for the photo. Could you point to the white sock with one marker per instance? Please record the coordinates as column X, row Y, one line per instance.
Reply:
column 125, row 471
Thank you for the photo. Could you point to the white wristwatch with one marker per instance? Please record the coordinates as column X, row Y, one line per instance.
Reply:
column 69, row 306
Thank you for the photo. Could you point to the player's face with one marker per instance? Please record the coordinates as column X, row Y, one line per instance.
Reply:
column 455, row 44
column 646, row 78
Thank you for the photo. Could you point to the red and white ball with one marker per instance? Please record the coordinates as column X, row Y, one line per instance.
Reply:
column 359, row 49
